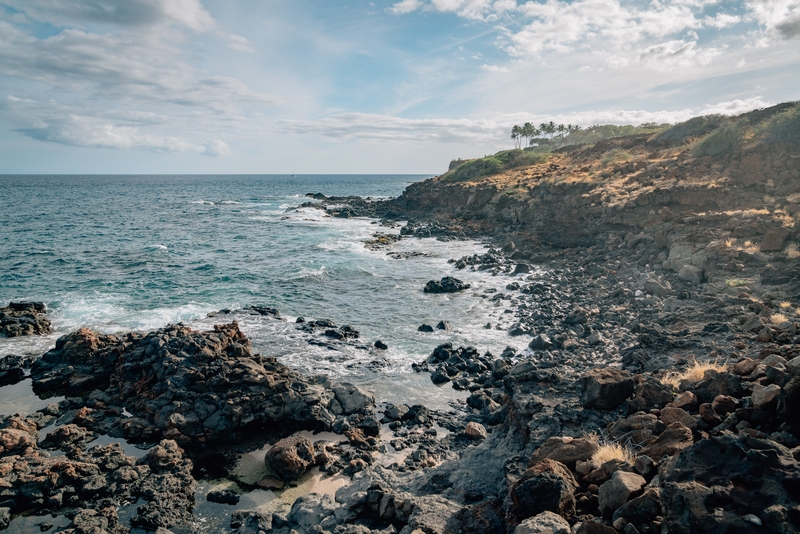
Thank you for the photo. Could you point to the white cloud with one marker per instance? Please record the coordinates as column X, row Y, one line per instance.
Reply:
column 493, row 68
column 239, row 43
column 490, row 131
column 189, row 13
column 406, row 6
column 216, row 149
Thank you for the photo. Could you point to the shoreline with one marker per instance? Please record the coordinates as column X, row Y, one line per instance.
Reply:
column 652, row 332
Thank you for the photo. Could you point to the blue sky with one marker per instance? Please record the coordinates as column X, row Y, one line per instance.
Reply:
column 398, row 86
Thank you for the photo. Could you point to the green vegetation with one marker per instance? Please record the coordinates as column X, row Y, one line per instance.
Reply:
column 736, row 282
column 783, row 127
column 720, row 142
column 558, row 135
column 693, row 128
column 462, row 170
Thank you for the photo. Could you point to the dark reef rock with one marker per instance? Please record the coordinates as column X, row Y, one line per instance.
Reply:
column 448, row 284
column 24, row 319
column 195, row 387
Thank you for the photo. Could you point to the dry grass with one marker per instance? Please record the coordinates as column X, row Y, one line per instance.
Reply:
column 730, row 242
column 792, row 252
column 694, row 373
column 777, row 318
column 610, row 450
column 785, row 304
column 747, row 214
column 751, row 248
column 794, row 198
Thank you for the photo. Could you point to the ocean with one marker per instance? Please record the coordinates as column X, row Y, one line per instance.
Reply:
column 121, row 253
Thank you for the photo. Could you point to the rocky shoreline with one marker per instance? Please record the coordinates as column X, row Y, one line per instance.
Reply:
column 659, row 392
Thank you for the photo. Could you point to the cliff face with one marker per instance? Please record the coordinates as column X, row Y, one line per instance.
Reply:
column 585, row 196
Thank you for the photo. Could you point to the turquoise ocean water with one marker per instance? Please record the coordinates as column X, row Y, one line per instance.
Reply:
column 119, row 253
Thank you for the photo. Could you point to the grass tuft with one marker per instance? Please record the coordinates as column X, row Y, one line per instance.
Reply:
column 785, row 304
column 777, row 318
column 694, row 373
column 720, row 142
column 792, row 252
column 611, row 450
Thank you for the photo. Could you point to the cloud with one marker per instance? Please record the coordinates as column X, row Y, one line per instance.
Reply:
column 493, row 68
column 216, row 149
column 489, row 131
column 135, row 13
column 789, row 28
column 487, row 10
column 239, row 43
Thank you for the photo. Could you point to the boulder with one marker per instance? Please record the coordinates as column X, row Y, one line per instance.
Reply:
column 691, row 274
column 547, row 486
column 425, row 328
column 675, row 438
column 774, row 239
column 700, row 477
column 475, row 430
column 660, row 288
column 766, row 397
column 670, row 414
column 545, row 523
column 566, row 450
column 352, row 398
column 310, row 510
column 24, row 319
column 540, row 342
column 618, row 491
column 198, row 388
column 605, row 389
column 290, row 457
column 448, row 284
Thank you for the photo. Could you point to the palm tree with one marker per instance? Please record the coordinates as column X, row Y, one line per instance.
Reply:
column 561, row 129
column 527, row 131
column 515, row 135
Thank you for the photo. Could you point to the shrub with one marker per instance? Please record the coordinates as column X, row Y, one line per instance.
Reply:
column 720, row 142
column 694, row 373
column 695, row 127
column 783, row 127
column 504, row 160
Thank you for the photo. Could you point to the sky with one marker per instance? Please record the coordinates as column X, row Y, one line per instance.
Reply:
column 352, row 86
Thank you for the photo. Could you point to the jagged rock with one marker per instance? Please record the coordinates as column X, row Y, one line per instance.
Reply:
column 545, row 523
column 766, row 397
column 250, row 522
column 310, row 510
column 547, row 486
column 221, row 384
column 540, row 342
column 487, row 517
column 661, row 288
column 448, row 284
column 670, row 414
column 566, row 450
column 691, row 274
column 24, row 319
column 475, row 430
column 618, row 491
column 774, row 239
column 290, row 457
column 675, row 438
column 605, row 389
column 700, row 476
column 223, row 496
column 641, row 509
column 425, row 328
column 12, row 369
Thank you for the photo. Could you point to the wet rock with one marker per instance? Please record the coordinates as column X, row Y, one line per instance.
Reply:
column 223, row 497
column 290, row 457
column 605, row 389
column 311, row 510
column 547, row 486
column 443, row 325
column 24, row 319
column 544, row 523
column 448, row 284
column 196, row 387
column 540, row 342
column 566, row 450
column 250, row 522
column 425, row 328
column 380, row 345
column 352, row 398
column 12, row 368
column 619, row 490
